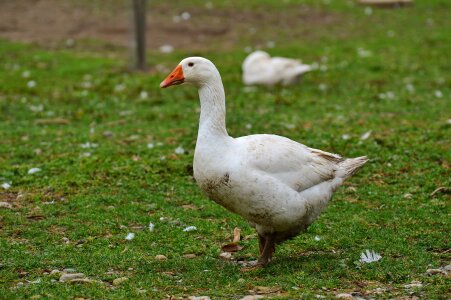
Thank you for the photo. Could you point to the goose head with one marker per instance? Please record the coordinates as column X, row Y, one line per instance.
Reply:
column 197, row 71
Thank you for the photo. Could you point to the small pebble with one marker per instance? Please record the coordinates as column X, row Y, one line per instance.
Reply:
column 189, row 256
column 53, row 272
column 225, row 255
column 120, row 280
column 344, row 296
column 413, row 284
column 68, row 277
column 252, row 297
column 69, row 270
column 81, row 280
column 160, row 257
column 185, row 15
column 107, row 133
column 5, row 205
column 435, row 271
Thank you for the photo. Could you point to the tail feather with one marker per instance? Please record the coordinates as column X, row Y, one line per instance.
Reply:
column 351, row 165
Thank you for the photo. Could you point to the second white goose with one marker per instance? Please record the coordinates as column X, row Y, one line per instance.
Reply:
column 259, row 68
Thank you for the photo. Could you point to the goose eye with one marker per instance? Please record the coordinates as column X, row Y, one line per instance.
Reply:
column 190, row 64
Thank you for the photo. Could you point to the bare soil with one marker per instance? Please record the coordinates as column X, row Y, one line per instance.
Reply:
column 53, row 23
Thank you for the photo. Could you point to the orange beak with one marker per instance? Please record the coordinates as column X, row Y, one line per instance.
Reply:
column 176, row 77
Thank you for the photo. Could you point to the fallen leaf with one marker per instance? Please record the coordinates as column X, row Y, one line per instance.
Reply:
column 232, row 247
column 56, row 121
column 35, row 217
column 236, row 235
column 169, row 273
column 441, row 189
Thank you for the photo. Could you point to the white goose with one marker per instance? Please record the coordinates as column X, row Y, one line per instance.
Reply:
column 278, row 185
column 260, row 68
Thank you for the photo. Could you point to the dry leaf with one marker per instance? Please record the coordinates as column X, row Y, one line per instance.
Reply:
column 441, row 189
column 236, row 235
column 233, row 246
column 56, row 121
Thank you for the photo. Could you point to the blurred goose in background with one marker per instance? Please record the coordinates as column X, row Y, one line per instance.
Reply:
column 278, row 185
column 260, row 68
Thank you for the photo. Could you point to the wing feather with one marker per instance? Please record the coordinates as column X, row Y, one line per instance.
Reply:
column 294, row 164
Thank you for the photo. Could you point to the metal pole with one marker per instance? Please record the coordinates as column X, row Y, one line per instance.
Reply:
column 139, row 13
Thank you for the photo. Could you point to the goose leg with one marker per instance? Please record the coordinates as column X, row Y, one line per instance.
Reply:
column 268, row 250
column 261, row 243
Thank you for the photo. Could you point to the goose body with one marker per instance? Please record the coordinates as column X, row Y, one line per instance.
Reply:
column 260, row 68
column 278, row 185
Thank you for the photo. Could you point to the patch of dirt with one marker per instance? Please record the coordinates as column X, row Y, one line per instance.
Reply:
column 53, row 23
column 8, row 197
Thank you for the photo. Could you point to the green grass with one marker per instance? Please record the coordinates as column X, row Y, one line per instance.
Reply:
column 94, row 201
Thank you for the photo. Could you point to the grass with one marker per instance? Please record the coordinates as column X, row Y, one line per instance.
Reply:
column 76, row 212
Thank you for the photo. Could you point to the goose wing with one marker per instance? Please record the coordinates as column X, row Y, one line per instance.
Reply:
column 292, row 163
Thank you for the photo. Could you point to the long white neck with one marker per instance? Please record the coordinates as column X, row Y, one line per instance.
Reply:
column 212, row 110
